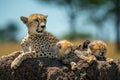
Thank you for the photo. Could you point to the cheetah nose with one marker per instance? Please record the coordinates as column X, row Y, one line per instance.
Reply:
column 43, row 26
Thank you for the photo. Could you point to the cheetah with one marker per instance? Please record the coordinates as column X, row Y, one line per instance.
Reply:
column 96, row 51
column 88, row 51
column 64, row 48
column 66, row 53
column 98, row 48
column 38, row 42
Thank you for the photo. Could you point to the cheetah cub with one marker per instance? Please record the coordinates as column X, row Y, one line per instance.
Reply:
column 66, row 53
column 99, row 50
column 96, row 51
column 64, row 48
column 38, row 42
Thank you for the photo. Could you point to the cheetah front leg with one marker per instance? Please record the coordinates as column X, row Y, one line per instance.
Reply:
column 89, row 58
column 25, row 46
column 73, row 65
column 16, row 63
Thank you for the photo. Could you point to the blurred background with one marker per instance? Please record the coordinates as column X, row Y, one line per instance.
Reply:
column 74, row 20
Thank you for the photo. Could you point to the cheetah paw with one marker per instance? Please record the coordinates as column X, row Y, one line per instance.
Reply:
column 73, row 65
column 15, row 64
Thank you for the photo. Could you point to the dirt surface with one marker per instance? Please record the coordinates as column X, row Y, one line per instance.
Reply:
column 53, row 69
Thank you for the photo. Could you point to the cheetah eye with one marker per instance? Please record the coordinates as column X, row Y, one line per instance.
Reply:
column 102, row 53
column 36, row 20
column 45, row 20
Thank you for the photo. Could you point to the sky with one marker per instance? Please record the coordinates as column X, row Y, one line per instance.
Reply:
column 11, row 10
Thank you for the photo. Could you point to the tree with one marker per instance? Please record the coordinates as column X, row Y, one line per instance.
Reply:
column 112, row 12
column 117, row 13
column 72, row 8
column 9, row 33
column 11, row 30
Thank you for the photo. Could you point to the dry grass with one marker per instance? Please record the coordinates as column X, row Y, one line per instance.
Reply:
column 112, row 53
column 7, row 48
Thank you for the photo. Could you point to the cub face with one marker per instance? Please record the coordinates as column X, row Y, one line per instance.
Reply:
column 64, row 48
column 97, row 48
column 36, row 23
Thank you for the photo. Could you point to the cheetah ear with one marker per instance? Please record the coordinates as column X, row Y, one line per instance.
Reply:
column 59, row 46
column 24, row 19
column 91, row 46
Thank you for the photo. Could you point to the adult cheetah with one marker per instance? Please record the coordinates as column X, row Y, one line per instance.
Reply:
column 38, row 42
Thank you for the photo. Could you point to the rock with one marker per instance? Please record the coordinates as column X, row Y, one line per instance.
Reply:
column 53, row 69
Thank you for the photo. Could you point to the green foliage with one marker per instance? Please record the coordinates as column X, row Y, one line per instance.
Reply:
column 9, row 33
column 2, row 37
column 93, row 2
column 111, row 7
column 77, row 36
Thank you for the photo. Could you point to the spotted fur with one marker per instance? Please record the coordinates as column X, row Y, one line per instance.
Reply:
column 96, row 51
column 97, row 48
column 70, row 55
column 66, row 53
column 38, row 42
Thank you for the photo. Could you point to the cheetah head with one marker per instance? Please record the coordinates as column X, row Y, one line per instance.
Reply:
column 97, row 48
column 64, row 48
column 36, row 23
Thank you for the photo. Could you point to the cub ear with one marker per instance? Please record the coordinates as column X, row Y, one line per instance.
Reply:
column 91, row 46
column 59, row 45
column 24, row 19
